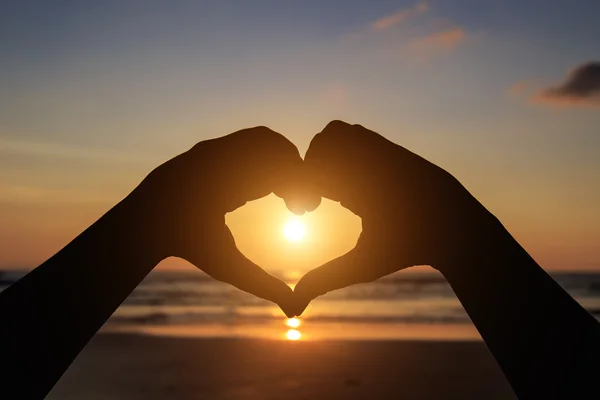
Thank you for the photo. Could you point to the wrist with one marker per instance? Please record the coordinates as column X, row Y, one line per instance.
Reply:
column 480, row 242
column 129, row 228
column 487, row 249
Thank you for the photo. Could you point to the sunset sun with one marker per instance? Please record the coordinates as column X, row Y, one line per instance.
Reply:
column 294, row 230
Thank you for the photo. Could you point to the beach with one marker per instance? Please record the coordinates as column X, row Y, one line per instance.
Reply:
column 133, row 366
column 181, row 335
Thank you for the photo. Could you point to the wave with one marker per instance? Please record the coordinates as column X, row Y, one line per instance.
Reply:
column 158, row 318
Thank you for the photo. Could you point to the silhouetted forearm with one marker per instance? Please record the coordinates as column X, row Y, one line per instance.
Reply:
column 47, row 317
column 547, row 345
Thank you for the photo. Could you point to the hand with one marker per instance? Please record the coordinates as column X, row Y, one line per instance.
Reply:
column 413, row 212
column 184, row 201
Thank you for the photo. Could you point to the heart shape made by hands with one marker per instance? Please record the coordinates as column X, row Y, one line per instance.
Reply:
column 397, row 195
column 258, row 228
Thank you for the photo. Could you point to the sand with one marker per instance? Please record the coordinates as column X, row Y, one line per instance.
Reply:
column 122, row 366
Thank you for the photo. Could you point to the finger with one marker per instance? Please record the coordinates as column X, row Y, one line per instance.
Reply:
column 231, row 266
column 249, row 277
column 300, row 194
column 341, row 141
column 352, row 268
column 252, row 163
column 356, row 166
column 336, row 163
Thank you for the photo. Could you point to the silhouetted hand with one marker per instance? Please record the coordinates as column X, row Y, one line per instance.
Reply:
column 413, row 212
column 184, row 201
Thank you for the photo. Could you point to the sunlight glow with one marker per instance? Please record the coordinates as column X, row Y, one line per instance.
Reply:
column 294, row 230
column 293, row 322
column 293, row 334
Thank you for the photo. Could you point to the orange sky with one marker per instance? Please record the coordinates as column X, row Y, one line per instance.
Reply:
column 94, row 97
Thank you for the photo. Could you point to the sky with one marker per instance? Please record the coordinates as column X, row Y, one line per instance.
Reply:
column 505, row 95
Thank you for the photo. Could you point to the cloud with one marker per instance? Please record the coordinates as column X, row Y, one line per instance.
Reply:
column 445, row 40
column 581, row 88
column 399, row 16
column 519, row 88
column 390, row 38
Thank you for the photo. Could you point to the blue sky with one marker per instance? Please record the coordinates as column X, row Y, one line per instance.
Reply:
column 95, row 94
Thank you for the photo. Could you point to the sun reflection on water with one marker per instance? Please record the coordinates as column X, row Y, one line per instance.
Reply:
column 293, row 334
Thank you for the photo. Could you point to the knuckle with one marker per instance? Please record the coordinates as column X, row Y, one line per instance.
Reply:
column 337, row 138
column 264, row 139
column 262, row 133
column 199, row 146
column 336, row 125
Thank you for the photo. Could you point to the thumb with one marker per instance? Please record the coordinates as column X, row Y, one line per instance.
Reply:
column 346, row 270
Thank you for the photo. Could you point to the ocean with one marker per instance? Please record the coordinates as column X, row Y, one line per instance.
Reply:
column 400, row 306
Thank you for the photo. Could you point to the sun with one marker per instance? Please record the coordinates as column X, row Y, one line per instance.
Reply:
column 292, row 322
column 294, row 230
